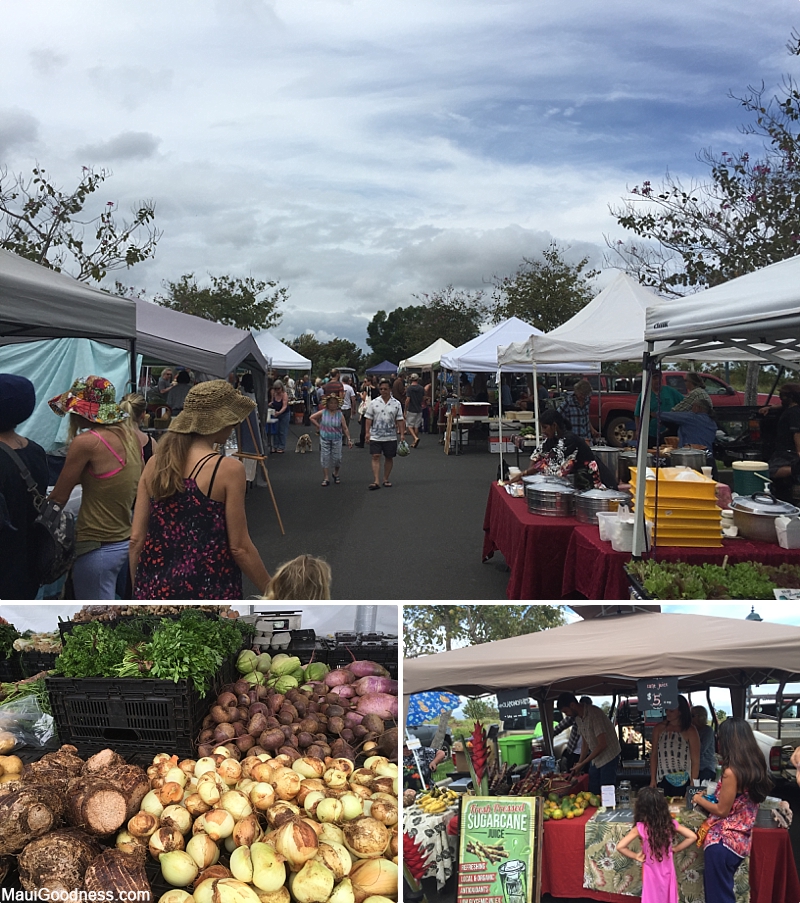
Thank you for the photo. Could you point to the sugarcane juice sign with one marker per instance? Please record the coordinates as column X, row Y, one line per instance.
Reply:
column 500, row 844
column 656, row 694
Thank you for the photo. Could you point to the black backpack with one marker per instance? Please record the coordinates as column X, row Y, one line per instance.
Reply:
column 54, row 529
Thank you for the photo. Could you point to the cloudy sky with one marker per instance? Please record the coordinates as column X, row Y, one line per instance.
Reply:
column 362, row 151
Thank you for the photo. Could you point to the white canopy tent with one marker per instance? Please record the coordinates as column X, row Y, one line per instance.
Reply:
column 281, row 356
column 429, row 358
column 756, row 316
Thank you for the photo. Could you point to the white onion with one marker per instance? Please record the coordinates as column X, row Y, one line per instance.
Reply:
column 365, row 837
column 296, row 841
column 241, row 865
column 334, row 856
column 269, row 872
column 286, row 782
column 224, row 890
column 246, row 831
column 237, row 803
column 230, row 771
column 176, row 895
column 262, row 795
column 309, row 767
column 335, row 779
column 218, row 824
column 152, row 804
column 178, row 868
column 281, row 895
column 203, row 765
column 343, row 892
column 374, row 877
column 329, row 810
column 352, row 806
column 222, row 751
column 312, row 884
column 203, row 850
column 175, row 775
column 177, row 817
column 331, row 834
column 165, row 840
column 312, row 800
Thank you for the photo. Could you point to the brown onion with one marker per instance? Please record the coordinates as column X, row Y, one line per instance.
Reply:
column 297, row 842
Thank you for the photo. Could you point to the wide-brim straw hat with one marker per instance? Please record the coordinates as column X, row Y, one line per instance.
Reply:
column 92, row 397
column 332, row 396
column 210, row 407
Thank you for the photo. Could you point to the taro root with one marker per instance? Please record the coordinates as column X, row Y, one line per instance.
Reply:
column 57, row 862
column 29, row 813
column 121, row 876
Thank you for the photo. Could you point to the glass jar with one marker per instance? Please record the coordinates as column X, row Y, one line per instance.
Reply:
column 624, row 794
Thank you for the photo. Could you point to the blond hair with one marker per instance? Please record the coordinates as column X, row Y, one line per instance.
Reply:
column 304, row 577
column 134, row 405
column 167, row 475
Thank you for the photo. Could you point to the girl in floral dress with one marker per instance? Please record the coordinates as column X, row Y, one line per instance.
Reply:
column 656, row 829
column 745, row 783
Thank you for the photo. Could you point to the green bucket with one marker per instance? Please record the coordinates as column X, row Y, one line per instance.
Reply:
column 746, row 479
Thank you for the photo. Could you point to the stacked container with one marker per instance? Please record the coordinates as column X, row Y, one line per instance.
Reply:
column 685, row 513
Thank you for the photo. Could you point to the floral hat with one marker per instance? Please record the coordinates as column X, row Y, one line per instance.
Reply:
column 92, row 397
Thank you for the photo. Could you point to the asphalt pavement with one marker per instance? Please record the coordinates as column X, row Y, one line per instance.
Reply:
column 421, row 539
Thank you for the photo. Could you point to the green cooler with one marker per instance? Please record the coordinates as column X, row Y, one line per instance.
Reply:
column 516, row 749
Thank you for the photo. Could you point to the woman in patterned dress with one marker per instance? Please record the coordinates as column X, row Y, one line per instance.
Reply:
column 732, row 814
column 190, row 537
column 675, row 756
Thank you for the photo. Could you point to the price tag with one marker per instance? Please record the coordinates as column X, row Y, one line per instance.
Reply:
column 657, row 693
column 414, row 743
column 608, row 795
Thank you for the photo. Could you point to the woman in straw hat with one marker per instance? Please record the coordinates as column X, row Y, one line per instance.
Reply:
column 106, row 460
column 332, row 430
column 190, row 538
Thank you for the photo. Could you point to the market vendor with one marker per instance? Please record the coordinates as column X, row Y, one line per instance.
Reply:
column 784, row 464
column 563, row 453
column 601, row 747
column 675, row 756
column 572, row 753
column 696, row 426
column 663, row 398
column 428, row 760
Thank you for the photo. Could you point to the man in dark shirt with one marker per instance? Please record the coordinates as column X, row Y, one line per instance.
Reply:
column 334, row 385
column 784, row 465
column 413, row 408
column 399, row 390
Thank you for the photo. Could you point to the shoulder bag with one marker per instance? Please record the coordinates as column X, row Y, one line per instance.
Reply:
column 54, row 529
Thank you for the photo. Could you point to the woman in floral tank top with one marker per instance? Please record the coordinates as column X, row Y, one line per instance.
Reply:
column 745, row 783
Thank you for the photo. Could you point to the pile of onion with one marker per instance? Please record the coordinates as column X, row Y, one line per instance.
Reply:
column 299, row 828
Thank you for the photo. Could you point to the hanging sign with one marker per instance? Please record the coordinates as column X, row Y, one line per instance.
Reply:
column 513, row 703
column 657, row 693
column 500, row 848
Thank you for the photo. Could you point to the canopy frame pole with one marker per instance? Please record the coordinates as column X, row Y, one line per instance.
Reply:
column 499, row 420
column 639, row 528
column 134, row 370
column 536, row 400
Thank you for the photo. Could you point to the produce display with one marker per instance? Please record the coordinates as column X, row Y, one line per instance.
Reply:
column 436, row 799
column 572, row 806
column 191, row 648
column 745, row 580
column 113, row 612
column 8, row 634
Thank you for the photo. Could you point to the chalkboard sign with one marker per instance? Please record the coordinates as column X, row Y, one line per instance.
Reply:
column 248, row 436
column 657, row 693
column 500, row 844
column 513, row 703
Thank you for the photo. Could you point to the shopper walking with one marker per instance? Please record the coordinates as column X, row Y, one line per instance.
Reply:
column 279, row 402
column 368, row 392
column 413, row 408
column 333, row 430
column 384, row 417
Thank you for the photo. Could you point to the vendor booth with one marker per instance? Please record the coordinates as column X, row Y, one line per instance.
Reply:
column 280, row 356
column 610, row 655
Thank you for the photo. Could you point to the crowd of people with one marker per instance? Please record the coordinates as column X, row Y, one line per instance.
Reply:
column 156, row 519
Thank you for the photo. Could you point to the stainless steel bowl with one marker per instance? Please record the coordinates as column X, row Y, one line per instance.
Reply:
column 755, row 515
column 551, row 498
column 587, row 504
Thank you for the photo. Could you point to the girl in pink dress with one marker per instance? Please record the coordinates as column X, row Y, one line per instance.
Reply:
column 656, row 829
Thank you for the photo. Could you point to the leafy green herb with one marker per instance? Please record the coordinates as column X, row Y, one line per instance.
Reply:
column 96, row 649
column 9, row 692
column 8, row 633
column 668, row 580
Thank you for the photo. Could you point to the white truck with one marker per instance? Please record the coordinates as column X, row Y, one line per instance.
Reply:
column 776, row 726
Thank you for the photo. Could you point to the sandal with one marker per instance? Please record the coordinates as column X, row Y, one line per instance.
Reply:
column 415, row 444
column 336, row 480
column 373, row 486
column 387, row 483
column 325, row 483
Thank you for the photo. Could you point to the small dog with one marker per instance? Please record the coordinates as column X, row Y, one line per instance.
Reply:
column 304, row 444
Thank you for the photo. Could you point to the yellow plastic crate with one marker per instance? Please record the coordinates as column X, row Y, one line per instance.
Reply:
column 678, row 492
column 683, row 517
column 685, row 541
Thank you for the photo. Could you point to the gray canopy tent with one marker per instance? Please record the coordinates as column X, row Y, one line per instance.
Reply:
column 754, row 317
column 609, row 654
column 199, row 344
column 39, row 303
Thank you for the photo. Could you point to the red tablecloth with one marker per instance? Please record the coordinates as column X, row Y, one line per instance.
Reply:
column 773, row 873
column 593, row 569
column 533, row 546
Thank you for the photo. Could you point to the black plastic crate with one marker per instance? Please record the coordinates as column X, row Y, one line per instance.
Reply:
column 131, row 714
column 11, row 668
column 34, row 662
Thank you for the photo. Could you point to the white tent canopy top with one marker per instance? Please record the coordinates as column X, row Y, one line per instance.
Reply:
column 429, row 358
column 479, row 355
column 756, row 316
column 280, row 355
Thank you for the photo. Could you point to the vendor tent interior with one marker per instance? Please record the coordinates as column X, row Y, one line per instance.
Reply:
column 753, row 317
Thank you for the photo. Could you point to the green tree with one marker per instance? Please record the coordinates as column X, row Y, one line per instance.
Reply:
column 52, row 226
column 452, row 314
column 480, row 710
column 390, row 335
column 545, row 291
column 230, row 300
column 745, row 216
column 324, row 355
column 428, row 629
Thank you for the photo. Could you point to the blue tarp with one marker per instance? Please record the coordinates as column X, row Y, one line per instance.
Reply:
column 382, row 368
column 52, row 366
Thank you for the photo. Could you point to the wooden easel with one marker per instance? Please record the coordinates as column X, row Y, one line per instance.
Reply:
column 448, row 432
column 260, row 459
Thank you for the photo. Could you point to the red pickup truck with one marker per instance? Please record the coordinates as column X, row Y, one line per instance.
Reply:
column 615, row 405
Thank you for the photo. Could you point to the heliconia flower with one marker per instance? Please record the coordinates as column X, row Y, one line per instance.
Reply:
column 413, row 857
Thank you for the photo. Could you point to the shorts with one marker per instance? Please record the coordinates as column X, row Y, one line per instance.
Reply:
column 414, row 420
column 388, row 449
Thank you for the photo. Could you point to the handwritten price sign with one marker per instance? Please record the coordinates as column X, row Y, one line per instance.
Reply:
column 657, row 693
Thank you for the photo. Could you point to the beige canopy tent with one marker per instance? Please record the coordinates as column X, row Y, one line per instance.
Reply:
column 606, row 655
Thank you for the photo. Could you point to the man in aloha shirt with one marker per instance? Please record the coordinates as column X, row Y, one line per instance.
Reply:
column 384, row 417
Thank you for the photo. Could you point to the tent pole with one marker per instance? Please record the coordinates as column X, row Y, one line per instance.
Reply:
column 639, row 536
column 134, row 371
column 536, row 400
column 499, row 420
